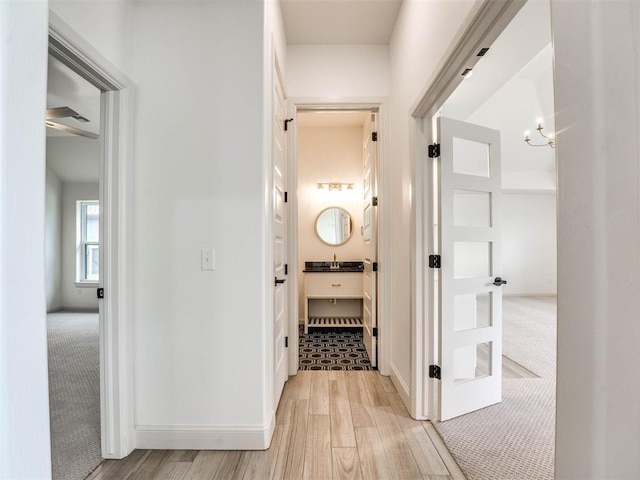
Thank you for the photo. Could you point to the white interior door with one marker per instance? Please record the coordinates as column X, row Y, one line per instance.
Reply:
column 370, row 232
column 279, row 239
column 470, row 292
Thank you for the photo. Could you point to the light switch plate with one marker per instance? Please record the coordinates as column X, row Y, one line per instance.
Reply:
column 207, row 259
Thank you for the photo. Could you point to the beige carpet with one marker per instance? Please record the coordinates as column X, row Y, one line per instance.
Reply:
column 514, row 440
column 74, row 394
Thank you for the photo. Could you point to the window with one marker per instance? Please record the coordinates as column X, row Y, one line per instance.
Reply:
column 88, row 241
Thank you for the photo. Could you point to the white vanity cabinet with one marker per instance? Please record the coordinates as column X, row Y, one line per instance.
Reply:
column 328, row 285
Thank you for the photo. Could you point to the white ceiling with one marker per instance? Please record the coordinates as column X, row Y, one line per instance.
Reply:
column 73, row 158
column 528, row 34
column 337, row 22
column 341, row 22
column 66, row 88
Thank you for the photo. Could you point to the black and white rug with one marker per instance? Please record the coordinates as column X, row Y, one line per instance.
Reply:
column 332, row 349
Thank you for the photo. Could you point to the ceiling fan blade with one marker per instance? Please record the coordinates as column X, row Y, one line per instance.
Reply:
column 60, row 112
column 72, row 130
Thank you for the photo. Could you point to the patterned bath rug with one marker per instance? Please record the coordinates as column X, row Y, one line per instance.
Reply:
column 332, row 349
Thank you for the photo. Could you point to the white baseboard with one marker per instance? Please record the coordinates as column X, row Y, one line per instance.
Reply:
column 204, row 437
column 401, row 386
column 80, row 309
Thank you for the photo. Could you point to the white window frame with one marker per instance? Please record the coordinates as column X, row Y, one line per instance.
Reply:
column 82, row 243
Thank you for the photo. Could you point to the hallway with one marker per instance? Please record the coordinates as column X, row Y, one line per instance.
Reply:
column 330, row 425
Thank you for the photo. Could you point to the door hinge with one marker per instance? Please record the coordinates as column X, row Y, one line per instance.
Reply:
column 374, row 201
column 375, row 331
column 286, row 269
column 434, row 150
column 374, row 266
column 435, row 261
column 286, row 123
column 286, row 197
column 434, row 371
column 374, row 136
column 100, row 292
column 286, row 342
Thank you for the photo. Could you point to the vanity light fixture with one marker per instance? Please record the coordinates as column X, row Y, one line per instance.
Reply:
column 339, row 186
column 550, row 140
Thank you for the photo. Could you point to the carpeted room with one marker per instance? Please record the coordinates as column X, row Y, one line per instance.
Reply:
column 514, row 439
column 511, row 92
column 72, row 273
column 74, row 393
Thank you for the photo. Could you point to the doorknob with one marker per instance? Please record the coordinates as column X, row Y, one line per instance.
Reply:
column 498, row 282
column 280, row 280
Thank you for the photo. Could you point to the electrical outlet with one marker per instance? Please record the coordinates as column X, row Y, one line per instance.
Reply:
column 207, row 259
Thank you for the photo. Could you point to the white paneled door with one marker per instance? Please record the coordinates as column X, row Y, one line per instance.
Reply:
column 470, row 284
column 281, row 317
column 370, row 233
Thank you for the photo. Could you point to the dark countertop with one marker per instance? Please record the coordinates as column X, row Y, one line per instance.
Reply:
column 325, row 267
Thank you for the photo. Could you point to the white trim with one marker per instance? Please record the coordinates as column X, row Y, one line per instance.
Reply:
column 421, row 222
column 81, row 242
column 402, row 388
column 488, row 21
column 116, row 195
column 204, row 437
column 295, row 318
column 384, row 240
column 87, row 284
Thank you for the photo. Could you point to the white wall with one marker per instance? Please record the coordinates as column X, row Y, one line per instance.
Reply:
column 337, row 71
column 597, row 79
column 75, row 298
column 516, row 108
column 420, row 39
column 529, row 255
column 528, row 174
column 106, row 24
column 53, row 240
column 200, row 183
column 75, row 159
column 328, row 154
column 24, row 395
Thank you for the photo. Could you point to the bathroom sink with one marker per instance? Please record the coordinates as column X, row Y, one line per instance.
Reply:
column 333, row 267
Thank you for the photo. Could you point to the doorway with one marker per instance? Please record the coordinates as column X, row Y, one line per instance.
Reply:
column 72, row 238
column 338, row 325
column 114, row 195
column 521, row 100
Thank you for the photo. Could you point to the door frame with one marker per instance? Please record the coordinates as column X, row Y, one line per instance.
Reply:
column 116, row 227
column 488, row 22
column 296, row 104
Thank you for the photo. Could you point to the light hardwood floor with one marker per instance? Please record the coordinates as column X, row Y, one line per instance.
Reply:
column 330, row 425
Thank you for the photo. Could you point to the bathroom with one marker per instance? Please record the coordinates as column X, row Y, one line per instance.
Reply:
column 333, row 301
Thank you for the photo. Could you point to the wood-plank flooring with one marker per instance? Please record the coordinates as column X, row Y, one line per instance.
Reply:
column 331, row 425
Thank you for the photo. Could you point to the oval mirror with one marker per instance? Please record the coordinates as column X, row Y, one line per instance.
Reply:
column 334, row 226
